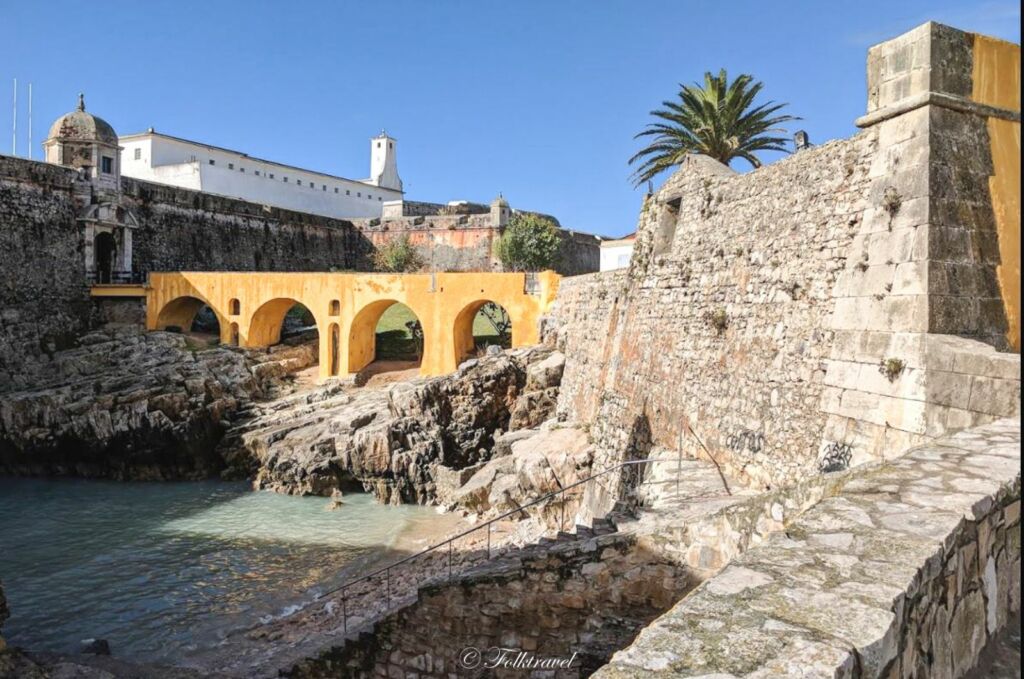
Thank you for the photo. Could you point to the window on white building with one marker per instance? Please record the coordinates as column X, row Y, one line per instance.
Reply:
column 347, row 192
column 286, row 180
column 231, row 166
column 359, row 194
column 271, row 175
column 325, row 187
column 335, row 189
column 256, row 172
column 138, row 154
column 241, row 169
column 299, row 182
column 212, row 161
column 369, row 197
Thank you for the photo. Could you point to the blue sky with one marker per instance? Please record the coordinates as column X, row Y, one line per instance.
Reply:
column 538, row 100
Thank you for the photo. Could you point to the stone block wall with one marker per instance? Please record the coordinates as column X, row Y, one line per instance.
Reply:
column 575, row 600
column 462, row 237
column 838, row 306
column 44, row 301
column 721, row 321
column 909, row 571
column 189, row 230
column 44, row 291
column 586, row 306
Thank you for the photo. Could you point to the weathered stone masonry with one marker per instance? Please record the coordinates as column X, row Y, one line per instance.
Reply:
column 43, row 281
column 42, row 275
column 183, row 230
column 461, row 237
column 835, row 307
column 908, row 572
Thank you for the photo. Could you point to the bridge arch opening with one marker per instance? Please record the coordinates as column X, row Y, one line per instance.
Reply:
column 190, row 315
column 281, row 320
column 388, row 333
column 480, row 324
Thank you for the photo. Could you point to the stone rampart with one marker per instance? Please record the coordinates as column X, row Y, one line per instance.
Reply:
column 835, row 307
column 44, row 301
column 44, row 294
column 462, row 237
column 184, row 230
column 908, row 572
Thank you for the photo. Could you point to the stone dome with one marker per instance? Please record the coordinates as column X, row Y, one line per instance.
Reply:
column 81, row 126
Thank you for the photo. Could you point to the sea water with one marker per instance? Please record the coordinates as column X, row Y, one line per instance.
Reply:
column 166, row 570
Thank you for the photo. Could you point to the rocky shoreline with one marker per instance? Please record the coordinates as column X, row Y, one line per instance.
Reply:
column 412, row 442
column 159, row 406
column 130, row 405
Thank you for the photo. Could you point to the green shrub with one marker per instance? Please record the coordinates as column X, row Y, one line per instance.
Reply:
column 397, row 256
column 529, row 243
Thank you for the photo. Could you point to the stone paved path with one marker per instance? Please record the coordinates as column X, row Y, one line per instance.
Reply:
column 889, row 559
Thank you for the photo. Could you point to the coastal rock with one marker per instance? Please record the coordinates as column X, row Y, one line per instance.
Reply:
column 397, row 442
column 540, row 394
column 131, row 405
column 546, row 461
column 96, row 647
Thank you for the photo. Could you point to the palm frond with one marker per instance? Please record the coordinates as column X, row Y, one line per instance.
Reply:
column 717, row 118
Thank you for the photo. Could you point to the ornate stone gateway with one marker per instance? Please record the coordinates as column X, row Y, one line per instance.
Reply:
column 251, row 308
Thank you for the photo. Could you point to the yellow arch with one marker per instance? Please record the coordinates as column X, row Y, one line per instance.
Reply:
column 266, row 322
column 181, row 311
column 462, row 329
column 362, row 334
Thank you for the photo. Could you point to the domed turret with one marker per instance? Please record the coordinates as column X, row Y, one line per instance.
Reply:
column 80, row 139
column 82, row 126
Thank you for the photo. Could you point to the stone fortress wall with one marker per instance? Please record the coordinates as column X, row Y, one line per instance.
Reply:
column 43, row 282
column 461, row 236
column 835, row 307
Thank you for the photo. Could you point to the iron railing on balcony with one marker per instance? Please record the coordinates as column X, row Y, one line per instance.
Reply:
column 117, row 277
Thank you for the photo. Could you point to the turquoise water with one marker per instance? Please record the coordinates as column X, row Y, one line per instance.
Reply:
column 163, row 570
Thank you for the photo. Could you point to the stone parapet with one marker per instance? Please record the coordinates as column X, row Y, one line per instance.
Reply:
column 908, row 572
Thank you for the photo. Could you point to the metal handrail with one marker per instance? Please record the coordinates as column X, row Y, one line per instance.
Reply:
column 449, row 542
column 117, row 277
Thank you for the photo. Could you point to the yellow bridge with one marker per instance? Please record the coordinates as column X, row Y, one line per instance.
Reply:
column 347, row 306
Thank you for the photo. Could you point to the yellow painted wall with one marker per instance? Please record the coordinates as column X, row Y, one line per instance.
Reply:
column 996, row 82
column 358, row 300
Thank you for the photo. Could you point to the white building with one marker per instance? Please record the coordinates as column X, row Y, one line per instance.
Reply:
column 164, row 159
column 615, row 254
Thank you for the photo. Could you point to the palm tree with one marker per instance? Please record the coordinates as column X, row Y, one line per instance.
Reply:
column 717, row 120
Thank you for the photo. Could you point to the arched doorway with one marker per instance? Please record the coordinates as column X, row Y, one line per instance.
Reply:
column 104, row 250
column 481, row 324
column 386, row 336
column 192, row 317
